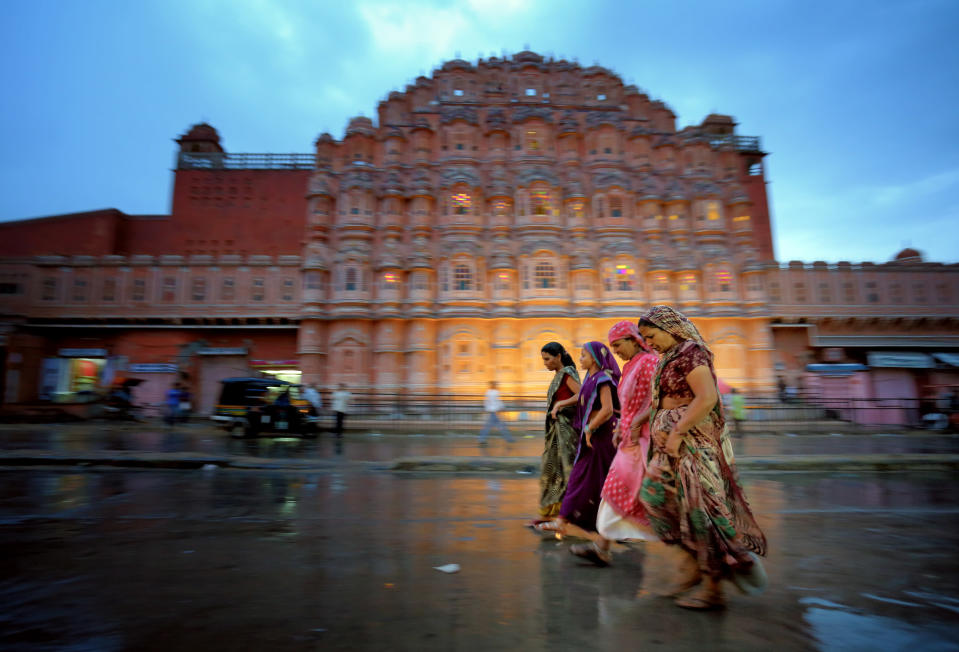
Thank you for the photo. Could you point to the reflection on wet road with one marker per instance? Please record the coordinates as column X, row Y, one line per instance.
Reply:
column 374, row 446
column 209, row 560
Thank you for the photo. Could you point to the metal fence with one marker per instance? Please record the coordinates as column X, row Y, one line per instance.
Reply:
column 466, row 411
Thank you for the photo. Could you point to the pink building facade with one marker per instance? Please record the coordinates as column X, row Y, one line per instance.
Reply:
column 490, row 208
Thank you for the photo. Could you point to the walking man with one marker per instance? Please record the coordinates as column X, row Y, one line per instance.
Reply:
column 341, row 403
column 492, row 405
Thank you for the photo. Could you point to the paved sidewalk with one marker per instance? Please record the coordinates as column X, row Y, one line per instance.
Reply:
column 199, row 445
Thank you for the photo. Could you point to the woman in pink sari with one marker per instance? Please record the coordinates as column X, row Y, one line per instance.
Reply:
column 621, row 514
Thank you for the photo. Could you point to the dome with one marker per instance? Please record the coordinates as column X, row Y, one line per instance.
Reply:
column 909, row 255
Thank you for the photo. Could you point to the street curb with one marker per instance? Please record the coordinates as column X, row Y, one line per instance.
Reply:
column 450, row 464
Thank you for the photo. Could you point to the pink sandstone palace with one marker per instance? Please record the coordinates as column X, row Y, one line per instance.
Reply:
column 489, row 209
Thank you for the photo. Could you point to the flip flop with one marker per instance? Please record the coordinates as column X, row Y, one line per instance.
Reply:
column 548, row 526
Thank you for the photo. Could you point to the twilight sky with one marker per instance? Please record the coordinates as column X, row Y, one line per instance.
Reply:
column 855, row 101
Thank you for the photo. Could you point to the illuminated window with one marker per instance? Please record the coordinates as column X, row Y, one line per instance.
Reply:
column 577, row 209
column 712, row 211
column 662, row 283
column 532, row 141
column 544, row 276
column 502, row 281
column 541, row 203
column 462, row 203
column 624, row 277
column 725, row 280
column 530, row 92
column 391, row 281
column 688, row 282
column 462, row 278
column 741, row 218
column 500, row 207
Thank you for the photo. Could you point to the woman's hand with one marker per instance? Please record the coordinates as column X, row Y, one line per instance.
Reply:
column 589, row 437
column 635, row 431
column 673, row 443
column 617, row 435
column 554, row 411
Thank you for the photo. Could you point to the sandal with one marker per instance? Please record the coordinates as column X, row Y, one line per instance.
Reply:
column 681, row 587
column 549, row 526
column 534, row 522
column 591, row 552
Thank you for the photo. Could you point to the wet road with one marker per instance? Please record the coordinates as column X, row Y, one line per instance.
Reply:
column 227, row 560
column 374, row 446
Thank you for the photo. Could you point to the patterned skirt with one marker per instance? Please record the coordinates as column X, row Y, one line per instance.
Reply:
column 693, row 500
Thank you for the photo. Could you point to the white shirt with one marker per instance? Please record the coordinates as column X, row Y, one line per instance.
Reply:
column 313, row 397
column 492, row 403
column 341, row 400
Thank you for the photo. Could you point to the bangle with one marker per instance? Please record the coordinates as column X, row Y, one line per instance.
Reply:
column 589, row 430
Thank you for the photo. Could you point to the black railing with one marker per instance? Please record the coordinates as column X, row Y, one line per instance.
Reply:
column 741, row 143
column 466, row 411
column 224, row 161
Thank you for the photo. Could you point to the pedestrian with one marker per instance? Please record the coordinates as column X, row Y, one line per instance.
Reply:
column 340, row 399
column 598, row 406
column 185, row 406
column 690, row 492
column 312, row 396
column 621, row 515
column 172, row 404
column 492, row 406
column 737, row 410
column 781, row 388
column 559, row 445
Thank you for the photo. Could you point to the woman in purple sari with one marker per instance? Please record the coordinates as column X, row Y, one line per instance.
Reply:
column 597, row 408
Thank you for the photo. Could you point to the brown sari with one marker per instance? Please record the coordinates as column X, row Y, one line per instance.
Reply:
column 694, row 500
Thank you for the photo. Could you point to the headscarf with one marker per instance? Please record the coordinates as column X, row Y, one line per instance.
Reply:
column 626, row 328
column 608, row 373
column 678, row 325
column 604, row 359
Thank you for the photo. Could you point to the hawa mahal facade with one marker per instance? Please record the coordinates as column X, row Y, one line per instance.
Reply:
column 489, row 209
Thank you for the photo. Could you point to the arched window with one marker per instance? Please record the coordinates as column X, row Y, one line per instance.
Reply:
column 350, row 282
column 500, row 207
column 624, row 277
column 615, row 206
column 540, row 202
column 544, row 275
column 461, row 202
column 462, row 277
column 724, row 280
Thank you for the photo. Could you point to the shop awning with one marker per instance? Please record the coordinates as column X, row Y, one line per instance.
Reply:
column 951, row 359
column 836, row 369
column 901, row 360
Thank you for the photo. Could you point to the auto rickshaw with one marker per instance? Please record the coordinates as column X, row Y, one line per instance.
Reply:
column 250, row 407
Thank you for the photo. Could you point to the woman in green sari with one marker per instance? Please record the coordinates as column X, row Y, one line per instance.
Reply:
column 690, row 491
column 561, row 433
